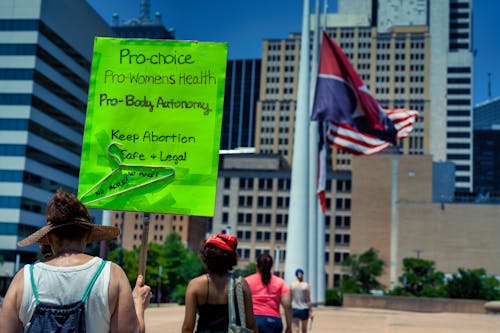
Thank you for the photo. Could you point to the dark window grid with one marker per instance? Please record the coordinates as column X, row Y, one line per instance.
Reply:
column 14, row 124
column 51, row 161
column 458, row 123
column 55, row 138
column 458, row 91
column 32, row 205
column 462, row 179
column 458, row 135
column 9, row 228
column 11, row 176
column 453, row 145
column 459, row 69
column 15, row 99
column 56, row 114
column 16, row 74
column 460, row 80
column 62, row 69
column 18, row 25
column 17, row 49
column 458, row 113
column 458, row 157
column 59, row 91
column 64, row 46
column 12, row 150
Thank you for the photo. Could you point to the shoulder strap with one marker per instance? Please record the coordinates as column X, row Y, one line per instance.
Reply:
column 87, row 291
column 230, row 301
column 94, row 278
column 208, row 288
column 33, row 285
column 241, row 304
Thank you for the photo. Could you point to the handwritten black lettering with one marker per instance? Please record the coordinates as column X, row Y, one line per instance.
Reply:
column 164, row 157
column 116, row 135
column 127, row 57
column 203, row 78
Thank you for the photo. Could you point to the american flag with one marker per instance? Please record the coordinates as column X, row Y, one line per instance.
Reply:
column 352, row 118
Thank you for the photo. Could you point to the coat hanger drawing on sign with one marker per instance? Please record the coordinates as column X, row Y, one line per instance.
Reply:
column 126, row 177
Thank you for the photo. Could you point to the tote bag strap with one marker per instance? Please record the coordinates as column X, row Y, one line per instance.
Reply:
column 230, row 301
column 241, row 304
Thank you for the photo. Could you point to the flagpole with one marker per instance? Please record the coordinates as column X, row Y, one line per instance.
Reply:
column 297, row 238
column 320, row 279
column 313, row 264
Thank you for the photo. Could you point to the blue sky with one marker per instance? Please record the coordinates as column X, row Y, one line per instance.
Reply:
column 245, row 24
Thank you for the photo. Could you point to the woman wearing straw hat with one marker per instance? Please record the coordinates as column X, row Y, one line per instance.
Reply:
column 110, row 304
column 208, row 294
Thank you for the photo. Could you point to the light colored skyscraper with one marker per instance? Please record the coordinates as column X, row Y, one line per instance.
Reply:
column 410, row 53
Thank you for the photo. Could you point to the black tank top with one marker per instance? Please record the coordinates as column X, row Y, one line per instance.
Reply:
column 212, row 317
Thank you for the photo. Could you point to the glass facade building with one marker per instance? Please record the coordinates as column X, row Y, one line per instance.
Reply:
column 240, row 103
column 45, row 58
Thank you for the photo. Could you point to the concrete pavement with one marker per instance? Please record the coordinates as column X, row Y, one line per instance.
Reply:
column 168, row 319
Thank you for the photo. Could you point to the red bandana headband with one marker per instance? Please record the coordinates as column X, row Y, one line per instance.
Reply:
column 223, row 242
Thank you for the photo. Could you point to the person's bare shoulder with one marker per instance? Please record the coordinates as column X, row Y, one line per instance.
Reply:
column 117, row 279
column 199, row 281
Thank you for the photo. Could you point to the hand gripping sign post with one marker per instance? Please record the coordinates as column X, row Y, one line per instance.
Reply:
column 152, row 129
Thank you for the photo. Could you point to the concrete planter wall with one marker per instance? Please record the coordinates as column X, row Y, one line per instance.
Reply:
column 417, row 304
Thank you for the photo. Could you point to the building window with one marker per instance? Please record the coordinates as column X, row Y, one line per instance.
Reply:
column 342, row 239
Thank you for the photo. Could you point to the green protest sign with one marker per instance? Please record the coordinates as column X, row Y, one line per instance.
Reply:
column 152, row 129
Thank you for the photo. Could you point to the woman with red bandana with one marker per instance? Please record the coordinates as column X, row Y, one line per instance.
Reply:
column 208, row 294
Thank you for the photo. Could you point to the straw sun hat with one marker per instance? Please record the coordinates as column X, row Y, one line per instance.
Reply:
column 97, row 232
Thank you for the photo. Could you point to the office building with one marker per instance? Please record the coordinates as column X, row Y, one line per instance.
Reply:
column 240, row 103
column 401, row 220
column 486, row 143
column 253, row 197
column 487, row 115
column 411, row 54
column 191, row 229
column 45, row 56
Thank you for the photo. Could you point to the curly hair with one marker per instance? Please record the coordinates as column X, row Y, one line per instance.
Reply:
column 216, row 260
column 63, row 207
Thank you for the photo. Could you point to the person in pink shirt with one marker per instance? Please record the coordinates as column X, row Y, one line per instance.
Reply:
column 268, row 292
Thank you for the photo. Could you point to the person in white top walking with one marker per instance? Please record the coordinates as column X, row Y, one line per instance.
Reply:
column 301, row 303
column 71, row 277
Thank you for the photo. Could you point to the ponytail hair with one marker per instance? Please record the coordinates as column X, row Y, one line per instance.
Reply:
column 264, row 266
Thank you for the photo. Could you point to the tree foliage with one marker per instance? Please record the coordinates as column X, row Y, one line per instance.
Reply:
column 420, row 278
column 473, row 284
column 363, row 271
column 178, row 266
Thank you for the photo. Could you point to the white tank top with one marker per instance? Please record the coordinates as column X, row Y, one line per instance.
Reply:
column 65, row 285
column 299, row 292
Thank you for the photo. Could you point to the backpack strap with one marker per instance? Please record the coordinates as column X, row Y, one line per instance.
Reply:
column 87, row 291
column 33, row 285
column 94, row 278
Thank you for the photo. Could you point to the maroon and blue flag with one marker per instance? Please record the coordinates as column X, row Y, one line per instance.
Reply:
column 355, row 121
column 350, row 117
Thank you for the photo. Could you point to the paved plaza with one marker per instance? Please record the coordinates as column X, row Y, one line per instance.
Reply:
column 168, row 319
